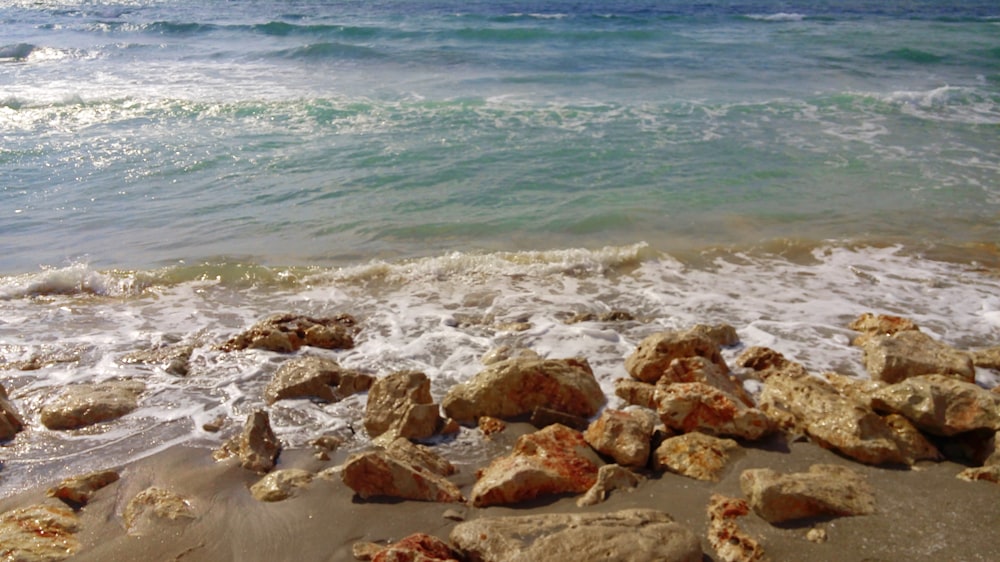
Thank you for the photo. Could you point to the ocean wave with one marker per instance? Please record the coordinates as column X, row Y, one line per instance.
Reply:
column 16, row 52
column 78, row 279
column 777, row 17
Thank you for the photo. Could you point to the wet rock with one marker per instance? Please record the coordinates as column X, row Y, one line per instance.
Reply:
column 765, row 362
column 506, row 352
column 610, row 477
column 730, row 541
column 400, row 405
column 38, row 533
column 10, row 420
column 825, row 490
column 554, row 460
column 515, row 387
column 940, row 404
column 215, row 425
column 632, row 535
column 872, row 325
column 489, row 425
column 653, row 355
column 280, row 484
column 913, row 445
column 543, row 417
column 405, row 450
column 699, row 369
column 78, row 490
column 984, row 473
column 623, row 435
column 153, row 505
column 286, row 333
column 609, row 316
column 81, row 405
column 174, row 359
column 697, row 406
column 256, row 446
column 380, row 474
column 315, row 377
column 417, row 547
column 811, row 406
column 911, row 353
column 987, row 358
column 695, row 455
column 722, row 334
column 857, row 389
column 636, row 392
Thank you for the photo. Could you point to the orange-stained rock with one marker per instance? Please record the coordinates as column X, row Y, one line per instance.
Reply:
column 417, row 547
column 490, row 425
column 11, row 421
column 515, row 387
column 984, row 473
column 637, row 393
column 400, row 405
column 610, row 477
column 871, row 325
column 699, row 369
column 77, row 491
column 911, row 353
column 380, row 474
column 315, row 377
column 653, row 355
column 825, row 489
column 554, row 460
column 280, row 485
column 696, row 406
column 731, row 543
column 256, row 445
column 419, row 455
column 38, row 533
column 765, row 362
column 988, row 358
column 940, row 404
column 913, row 445
column 695, row 455
column 623, row 435
column 81, row 405
column 286, row 333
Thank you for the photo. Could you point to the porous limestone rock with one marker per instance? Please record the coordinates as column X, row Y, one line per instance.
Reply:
column 913, row 445
column 695, row 455
column 280, row 484
column 175, row 359
column 653, row 355
column 419, row 455
column 984, row 473
column 11, row 421
column 418, row 547
column 81, row 405
column 632, row 535
column 542, row 417
column 610, row 477
column 911, row 353
column 256, row 445
column 554, row 460
column 825, row 489
column 857, row 389
column 871, row 325
column 696, row 406
column 699, row 369
column 153, row 505
column 515, row 387
column 765, row 362
column 623, row 435
column 77, row 491
column 730, row 541
column 380, row 474
column 400, row 405
column 636, row 392
column 941, row 405
column 988, row 358
column 609, row 316
column 315, row 377
column 38, row 533
column 489, row 425
column 286, row 333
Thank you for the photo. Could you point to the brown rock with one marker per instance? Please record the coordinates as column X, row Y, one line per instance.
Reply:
column 86, row 404
column 632, row 535
column 765, row 362
column 871, row 325
column 609, row 316
column 722, row 334
column 505, row 352
column 623, row 435
column 315, row 377
column 151, row 506
column 280, row 484
column 289, row 332
column 610, row 477
column 554, row 460
column 38, row 533
column 175, row 359
column 730, row 541
column 825, row 490
column 380, row 474
column 400, row 405
column 653, row 355
column 78, row 490
column 696, row 406
column 940, row 404
column 987, row 358
column 489, row 425
column 699, row 369
column 857, row 389
column 10, row 421
column 418, row 455
column 256, row 446
column 515, row 387
column 542, row 417
column 695, row 455
column 636, row 392
column 913, row 445
column 984, row 473
column 417, row 547
column 911, row 353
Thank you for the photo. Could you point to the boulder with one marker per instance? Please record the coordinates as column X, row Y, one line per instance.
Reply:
column 543, row 417
column 11, row 421
column 609, row 316
column 632, row 535
column 77, row 491
column 941, row 405
column 825, row 490
column 315, row 377
column 811, row 406
column 988, row 358
column 280, row 484
column 417, row 547
column 623, row 435
column 610, row 477
column 695, row 455
column 730, row 541
column 380, row 474
column 911, row 353
column 696, row 406
column 515, row 387
column 554, row 460
column 400, row 405
column 81, row 405
column 38, row 533
column 913, row 445
column 256, row 445
column 636, row 392
column 765, row 362
column 857, row 389
column 286, row 333
column 174, row 359
column 984, row 473
column 418, row 455
column 872, row 325
column 654, row 354
column 699, row 369
column 152, row 506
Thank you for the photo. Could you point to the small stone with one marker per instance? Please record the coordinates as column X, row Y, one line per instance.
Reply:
column 623, row 435
column 695, row 455
column 985, row 473
column 320, row 378
column 400, row 405
column 824, row 490
column 81, row 405
column 256, row 446
column 215, row 425
column 280, row 484
column 154, row 504
column 490, row 425
column 730, row 541
column 78, row 490
column 610, row 477
column 816, row 535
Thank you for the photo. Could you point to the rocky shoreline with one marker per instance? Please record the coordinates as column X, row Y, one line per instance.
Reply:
column 755, row 461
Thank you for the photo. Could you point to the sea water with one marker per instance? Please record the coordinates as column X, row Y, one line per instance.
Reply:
column 173, row 171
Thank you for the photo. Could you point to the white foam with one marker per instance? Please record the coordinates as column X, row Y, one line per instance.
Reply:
column 780, row 16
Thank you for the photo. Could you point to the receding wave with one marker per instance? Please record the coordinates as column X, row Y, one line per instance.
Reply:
column 16, row 52
column 330, row 51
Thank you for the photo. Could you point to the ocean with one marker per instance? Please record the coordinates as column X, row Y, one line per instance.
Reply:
column 174, row 170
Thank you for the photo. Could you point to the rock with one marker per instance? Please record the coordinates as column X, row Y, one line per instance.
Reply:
column 280, row 484
column 765, row 362
column 489, row 425
column 515, row 387
column 809, row 405
column 380, row 474
column 857, row 389
column 817, row 536
column 175, row 359
column 987, row 358
column 400, row 405
column 77, row 491
column 256, row 446
column 11, row 421
column 215, row 425
column 417, row 547
column 695, row 455
column 610, row 477
column 636, row 392
column 289, row 332
column 871, row 325
column 911, row 353
column 825, row 490
column 632, row 535
column 699, row 369
column 984, row 473
column 38, row 533
column 81, row 405
column 722, row 334
column 554, row 460
column 315, row 377
column 418, row 455
column 623, row 435
column 730, row 541
column 505, row 352
column 609, row 316
column 543, row 417
column 654, row 354
column 696, row 406
column 941, row 405
column 153, row 504
column 913, row 445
